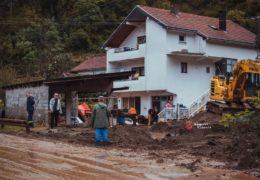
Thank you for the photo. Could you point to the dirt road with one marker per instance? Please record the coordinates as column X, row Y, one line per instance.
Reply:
column 24, row 158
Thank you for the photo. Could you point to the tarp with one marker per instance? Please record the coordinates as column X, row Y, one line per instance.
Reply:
column 83, row 109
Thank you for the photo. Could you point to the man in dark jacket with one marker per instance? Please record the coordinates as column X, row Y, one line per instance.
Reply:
column 100, row 119
column 30, row 109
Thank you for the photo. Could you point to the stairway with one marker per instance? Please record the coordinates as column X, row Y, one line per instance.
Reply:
column 194, row 108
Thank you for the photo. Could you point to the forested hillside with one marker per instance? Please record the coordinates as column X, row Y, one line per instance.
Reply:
column 41, row 38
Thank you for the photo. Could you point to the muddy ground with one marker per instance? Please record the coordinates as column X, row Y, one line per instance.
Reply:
column 237, row 147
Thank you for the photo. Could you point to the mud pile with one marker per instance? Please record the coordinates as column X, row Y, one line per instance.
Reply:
column 130, row 136
column 237, row 146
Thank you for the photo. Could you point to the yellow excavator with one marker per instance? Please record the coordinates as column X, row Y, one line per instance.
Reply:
column 235, row 92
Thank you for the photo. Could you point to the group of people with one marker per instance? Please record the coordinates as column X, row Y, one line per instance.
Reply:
column 99, row 117
column 54, row 106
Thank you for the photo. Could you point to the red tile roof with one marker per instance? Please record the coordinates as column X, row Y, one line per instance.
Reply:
column 201, row 24
column 94, row 63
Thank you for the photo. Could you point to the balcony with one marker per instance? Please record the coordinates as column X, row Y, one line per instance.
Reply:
column 134, row 85
column 126, row 53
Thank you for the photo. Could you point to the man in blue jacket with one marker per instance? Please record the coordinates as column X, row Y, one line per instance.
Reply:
column 30, row 109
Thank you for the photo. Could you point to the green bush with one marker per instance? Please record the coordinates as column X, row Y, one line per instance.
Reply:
column 244, row 117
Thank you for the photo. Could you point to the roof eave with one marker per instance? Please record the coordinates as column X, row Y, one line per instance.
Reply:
column 125, row 20
column 118, row 28
column 82, row 70
column 231, row 42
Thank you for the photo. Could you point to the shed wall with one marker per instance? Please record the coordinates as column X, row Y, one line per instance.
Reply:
column 16, row 102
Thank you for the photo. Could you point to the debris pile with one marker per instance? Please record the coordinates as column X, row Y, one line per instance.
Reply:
column 237, row 146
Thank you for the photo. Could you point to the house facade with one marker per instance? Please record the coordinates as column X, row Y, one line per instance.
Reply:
column 173, row 56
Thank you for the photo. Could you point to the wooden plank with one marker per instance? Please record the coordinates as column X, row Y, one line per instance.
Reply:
column 12, row 124
column 16, row 121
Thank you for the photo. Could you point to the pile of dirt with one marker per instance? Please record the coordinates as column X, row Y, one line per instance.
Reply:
column 162, row 127
column 206, row 117
column 130, row 136
column 237, row 146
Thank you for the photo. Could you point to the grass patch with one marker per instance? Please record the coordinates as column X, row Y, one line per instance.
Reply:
column 11, row 129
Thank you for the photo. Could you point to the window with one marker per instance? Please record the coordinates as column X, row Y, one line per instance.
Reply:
column 128, row 102
column 184, row 67
column 208, row 69
column 182, row 38
column 230, row 65
column 141, row 39
column 137, row 71
column 225, row 66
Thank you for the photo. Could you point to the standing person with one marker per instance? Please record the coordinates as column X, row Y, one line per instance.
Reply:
column 100, row 120
column 55, row 107
column 30, row 109
column 169, row 110
column 150, row 116
column 155, row 114
column 169, row 104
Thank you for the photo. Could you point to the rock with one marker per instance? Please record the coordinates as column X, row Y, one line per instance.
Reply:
column 212, row 136
column 212, row 142
column 159, row 161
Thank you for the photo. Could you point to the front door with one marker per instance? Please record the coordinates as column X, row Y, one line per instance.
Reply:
column 138, row 105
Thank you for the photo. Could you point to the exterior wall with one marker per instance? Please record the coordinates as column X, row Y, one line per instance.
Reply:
column 155, row 59
column 16, row 102
column 188, row 86
column 193, row 43
column 230, row 51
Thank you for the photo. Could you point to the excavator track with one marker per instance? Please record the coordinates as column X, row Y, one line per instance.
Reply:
column 223, row 108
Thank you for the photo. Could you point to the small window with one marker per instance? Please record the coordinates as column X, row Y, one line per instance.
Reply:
column 208, row 69
column 141, row 39
column 184, row 67
column 182, row 38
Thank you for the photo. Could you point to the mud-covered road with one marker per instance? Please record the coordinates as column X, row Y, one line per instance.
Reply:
column 24, row 158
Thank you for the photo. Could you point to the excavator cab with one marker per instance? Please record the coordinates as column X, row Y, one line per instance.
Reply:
column 252, row 86
column 217, row 88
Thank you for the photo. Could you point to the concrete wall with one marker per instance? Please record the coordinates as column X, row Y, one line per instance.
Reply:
column 16, row 102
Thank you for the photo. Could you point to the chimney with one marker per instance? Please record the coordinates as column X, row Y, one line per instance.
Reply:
column 174, row 9
column 222, row 20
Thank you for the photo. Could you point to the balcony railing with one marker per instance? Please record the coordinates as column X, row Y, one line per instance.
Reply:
column 134, row 85
column 126, row 53
column 124, row 49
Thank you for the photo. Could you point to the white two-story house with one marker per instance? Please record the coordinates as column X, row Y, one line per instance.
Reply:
column 175, row 55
